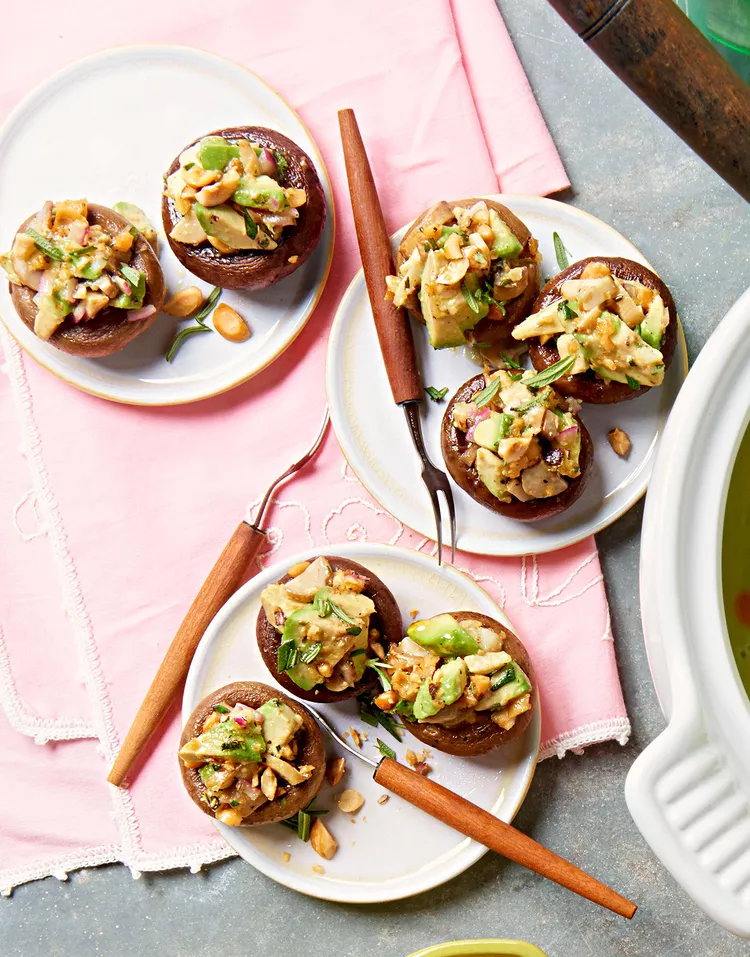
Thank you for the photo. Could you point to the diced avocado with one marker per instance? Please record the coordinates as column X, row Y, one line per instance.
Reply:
column 304, row 676
column 207, row 772
column 451, row 680
column 546, row 322
column 214, row 152
column 50, row 313
column 444, row 635
column 279, row 724
column 424, row 706
column 226, row 224
column 135, row 215
column 136, row 279
column 504, row 687
column 260, row 193
column 84, row 266
column 652, row 327
column 295, row 628
column 445, row 329
column 489, row 469
column 448, row 231
column 228, row 740
column 504, row 244
column 491, row 430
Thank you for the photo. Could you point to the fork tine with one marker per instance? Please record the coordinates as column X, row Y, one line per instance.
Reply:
column 452, row 514
column 438, row 519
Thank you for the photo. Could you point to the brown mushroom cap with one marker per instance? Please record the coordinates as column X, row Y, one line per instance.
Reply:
column 484, row 735
column 252, row 269
column 495, row 328
column 387, row 619
column 587, row 386
column 111, row 330
column 311, row 750
column 453, row 443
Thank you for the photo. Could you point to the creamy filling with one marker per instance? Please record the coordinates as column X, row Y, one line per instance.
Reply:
column 75, row 268
column 230, row 193
column 450, row 673
column 523, row 441
column 612, row 327
column 246, row 757
column 323, row 618
column 462, row 264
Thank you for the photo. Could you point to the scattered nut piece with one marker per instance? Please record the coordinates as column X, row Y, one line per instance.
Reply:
column 297, row 569
column 423, row 768
column 383, row 799
column 414, row 612
column 293, row 259
column 230, row 324
column 356, row 737
column 386, row 701
column 335, row 771
column 411, row 758
column 268, row 784
column 286, row 857
column 322, row 841
column 184, row 302
column 378, row 649
column 620, row 442
column 318, row 869
column 364, row 736
column 349, row 801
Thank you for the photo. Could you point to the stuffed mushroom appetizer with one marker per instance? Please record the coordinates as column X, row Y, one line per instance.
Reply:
column 616, row 319
column 515, row 445
column 318, row 625
column 243, row 207
column 469, row 270
column 461, row 682
column 83, row 278
column 250, row 755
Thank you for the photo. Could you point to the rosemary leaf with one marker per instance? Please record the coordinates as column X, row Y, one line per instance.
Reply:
column 385, row 749
column 561, row 253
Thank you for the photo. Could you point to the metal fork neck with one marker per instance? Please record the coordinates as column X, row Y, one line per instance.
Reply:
column 411, row 411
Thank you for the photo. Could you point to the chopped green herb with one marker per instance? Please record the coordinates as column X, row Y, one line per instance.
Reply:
column 561, row 253
column 286, row 657
column 200, row 316
column 372, row 715
column 470, row 298
column 354, row 630
column 511, row 362
column 437, row 395
column 309, row 654
column 297, row 822
column 378, row 667
column 566, row 311
column 45, row 246
column 487, row 394
column 234, row 803
column 633, row 383
column 358, row 651
column 207, row 307
column 282, row 164
column 551, row 373
column 321, row 604
column 304, row 822
column 385, row 750
column 503, row 677
column 189, row 165
column 251, row 227
column 221, row 708
column 340, row 613
column 481, row 345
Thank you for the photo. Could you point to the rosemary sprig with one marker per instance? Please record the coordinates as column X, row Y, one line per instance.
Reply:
column 354, row 628
column 200, row 317
column 385, row 750
column 437, row 395
column 483, row 398
column 551, row 373
column 310, row 653
column 561, row 253
column 372, row 715
column 378, row 667
column 470, row 298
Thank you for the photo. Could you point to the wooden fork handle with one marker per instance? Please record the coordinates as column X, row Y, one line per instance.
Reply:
column 223, row 581
column 392, row 324
column 485, row 828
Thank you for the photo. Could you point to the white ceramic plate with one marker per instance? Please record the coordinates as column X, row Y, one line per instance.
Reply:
column 387, row 851
column 46, row 154
column 375, row 439
column 689, row 791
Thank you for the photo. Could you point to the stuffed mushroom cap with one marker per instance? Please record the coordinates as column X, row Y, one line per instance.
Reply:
column 256, row 269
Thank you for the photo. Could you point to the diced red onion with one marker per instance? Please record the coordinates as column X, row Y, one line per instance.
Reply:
column 78, row 231
column 475, row 418
column 567, row 436
column 79, row 312
column 574, row 405
column 279, row 617
column 267, row 162
column 136, row 314
column 240, row 722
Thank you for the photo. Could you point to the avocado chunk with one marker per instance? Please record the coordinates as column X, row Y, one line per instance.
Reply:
column 489, row 469
column 280, row 724
column 424, row 705
column 228, row 740
column 260, row 193
column 651, row 329
column 444, row 635
column 447, row 325
column 451, row 680
column 505, row 685
column 135, row 215
column 489, row 431
column 295, row 628
column 214, row 152
column 136, row 279
column 224, row 223
column 504, row 244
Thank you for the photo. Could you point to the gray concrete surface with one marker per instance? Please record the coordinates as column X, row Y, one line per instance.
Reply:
column 628, row 169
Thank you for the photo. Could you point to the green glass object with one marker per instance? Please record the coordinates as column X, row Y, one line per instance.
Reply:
column 727, row 25
column 735, row 571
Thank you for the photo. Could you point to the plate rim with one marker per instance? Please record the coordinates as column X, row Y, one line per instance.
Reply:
column 538, row 547
column 327, row 891
column 46, row 86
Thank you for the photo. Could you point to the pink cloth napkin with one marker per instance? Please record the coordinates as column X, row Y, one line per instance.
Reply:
column 104, row 539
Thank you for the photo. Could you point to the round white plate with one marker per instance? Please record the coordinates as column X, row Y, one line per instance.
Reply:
column 376, row 441
column 386, row 851
column 45, row 154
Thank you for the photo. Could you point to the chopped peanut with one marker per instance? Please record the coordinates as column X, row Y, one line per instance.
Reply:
column 378, row 649
column 411, row 758
column 268, row 784
column 230, row 324
column 335, row 771
column 297, row 569
column 184, row 302
column 293, row 259
column 213, row 719
column 318, row 869
column 286, row 857
column 383, row 799
column 386, row 701
column 356, row 737
column 414, row 612
column 620, row 442
column 229, row 815
column 322, row 841
column 349, row 801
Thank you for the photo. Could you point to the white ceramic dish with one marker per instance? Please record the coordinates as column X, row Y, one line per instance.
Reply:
column 689, row 791
column 375, row 440
column 43, row 155
column 387, row 851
